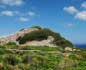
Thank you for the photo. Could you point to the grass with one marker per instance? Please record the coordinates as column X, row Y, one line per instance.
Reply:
column 35, row 60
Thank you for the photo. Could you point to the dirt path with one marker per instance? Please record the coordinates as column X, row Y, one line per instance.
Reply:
column 18, row 50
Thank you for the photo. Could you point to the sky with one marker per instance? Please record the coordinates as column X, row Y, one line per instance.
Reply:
column 67, row 17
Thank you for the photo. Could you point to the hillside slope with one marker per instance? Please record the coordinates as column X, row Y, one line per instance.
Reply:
column 13, row 57
column 36, row 57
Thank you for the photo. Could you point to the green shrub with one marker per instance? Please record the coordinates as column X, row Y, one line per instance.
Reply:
column 10, row 59
column 11, row 45
column 38, row 27
column 26, row 59
column 2, row 51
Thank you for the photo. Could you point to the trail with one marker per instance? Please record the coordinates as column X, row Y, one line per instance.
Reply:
column 19, row 50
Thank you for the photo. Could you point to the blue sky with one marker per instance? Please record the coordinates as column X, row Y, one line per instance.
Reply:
column 68, row 17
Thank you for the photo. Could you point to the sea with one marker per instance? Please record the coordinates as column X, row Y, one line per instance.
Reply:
column 81, row 46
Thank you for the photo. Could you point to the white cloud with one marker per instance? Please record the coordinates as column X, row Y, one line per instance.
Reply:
column 11, row 2
column 31, row 13
column 81, row 15
column 83, row 4
column 23, row 19
column 71, row 9
column 7, row 13
column 68, row 24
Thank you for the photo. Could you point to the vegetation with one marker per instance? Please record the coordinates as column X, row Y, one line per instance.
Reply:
column 38, row 27
column 41, row 58
column 42, row 34
column 14, row 57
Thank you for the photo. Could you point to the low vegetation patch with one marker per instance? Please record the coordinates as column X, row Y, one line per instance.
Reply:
column 47, row 58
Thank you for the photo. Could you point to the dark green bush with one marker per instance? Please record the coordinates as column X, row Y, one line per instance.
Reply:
column 2, row 51
column 11, row 60
column 11, row 43
column 26, row 59
column 38, row 27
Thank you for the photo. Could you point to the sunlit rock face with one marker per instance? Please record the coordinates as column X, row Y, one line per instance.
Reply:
column 47, row 42
column 68, row 49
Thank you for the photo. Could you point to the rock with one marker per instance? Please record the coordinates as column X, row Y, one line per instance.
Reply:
column 68, row 49
column 47, row 42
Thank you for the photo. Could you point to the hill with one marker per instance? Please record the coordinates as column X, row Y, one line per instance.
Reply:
column 36, row 36
column 40, row 49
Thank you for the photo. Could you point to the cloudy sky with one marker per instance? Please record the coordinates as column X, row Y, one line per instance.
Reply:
column 68, row 17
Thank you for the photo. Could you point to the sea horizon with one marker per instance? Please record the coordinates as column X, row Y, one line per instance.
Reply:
column 80, row 45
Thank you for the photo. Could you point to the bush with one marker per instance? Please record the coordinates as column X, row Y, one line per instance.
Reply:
column 26, row 59
column 10, row 59
column 38, row 27
column 11, row 43
column 2, row 51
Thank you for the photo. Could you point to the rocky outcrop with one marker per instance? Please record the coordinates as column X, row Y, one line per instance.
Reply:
column 13, row 37
column 47, row 42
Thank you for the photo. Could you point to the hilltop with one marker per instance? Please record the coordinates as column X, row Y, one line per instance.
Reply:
column 36, row 36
